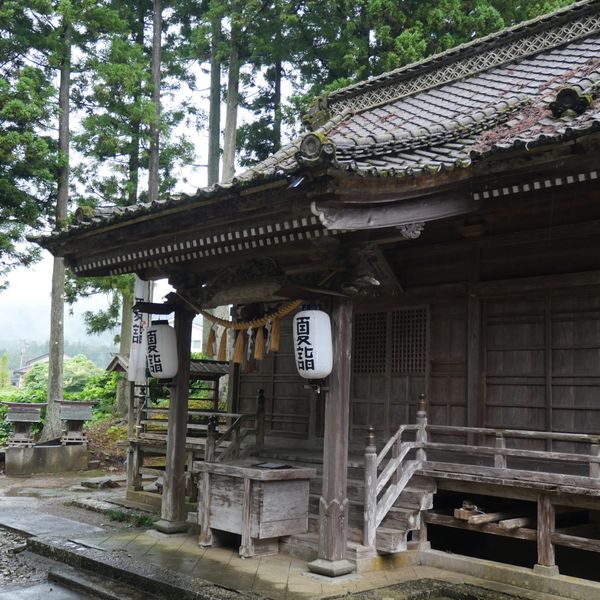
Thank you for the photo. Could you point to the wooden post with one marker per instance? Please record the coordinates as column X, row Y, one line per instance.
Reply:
column 422, row 431
column 135, row 461
column 260, row 421
column 474, row 396
column 173, row 517
column 211, row 438
column 204, row 485
column 370, row 514
column 545, row 528
column 205, row 538
column 500, row 459
column 247, row 546
column 594, row 466
column 333, row 505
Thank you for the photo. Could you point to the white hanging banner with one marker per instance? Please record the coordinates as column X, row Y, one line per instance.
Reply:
column 313, row 344
column 140, row 321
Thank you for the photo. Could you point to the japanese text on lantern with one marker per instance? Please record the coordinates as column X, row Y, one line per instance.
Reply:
column 304, row 348
column 154, row 361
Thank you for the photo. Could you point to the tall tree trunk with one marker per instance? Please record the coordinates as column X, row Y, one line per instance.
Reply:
column 277, row 106
column 52, row 426
column 233, row 87
column 133, row 165
column 155, row 125
column 123, row 388
column 214, row 113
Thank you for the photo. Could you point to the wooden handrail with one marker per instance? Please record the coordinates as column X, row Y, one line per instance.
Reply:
column 394, row 477
column 381, row 456
column 486, row 450
column 518, row 433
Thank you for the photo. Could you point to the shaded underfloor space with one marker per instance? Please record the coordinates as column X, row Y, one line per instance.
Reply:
column 522, row 553
column 516, row 546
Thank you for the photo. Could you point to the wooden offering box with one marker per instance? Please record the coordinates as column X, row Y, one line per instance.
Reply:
column 261, row 503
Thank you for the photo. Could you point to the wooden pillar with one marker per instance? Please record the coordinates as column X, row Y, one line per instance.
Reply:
column 546, row 563
column 474, row 395
column 206, row 538
column 260, row 421
column 173, row 516
column 333, row 505
column 370, row 513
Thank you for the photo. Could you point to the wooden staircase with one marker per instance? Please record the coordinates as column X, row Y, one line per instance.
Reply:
column 393, row 532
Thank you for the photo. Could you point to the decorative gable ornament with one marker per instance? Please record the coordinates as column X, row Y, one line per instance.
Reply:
column 312, row 343
column 161, row 354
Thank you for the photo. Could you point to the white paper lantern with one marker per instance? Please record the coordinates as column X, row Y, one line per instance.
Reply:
column 312, row 344
column 161, row 353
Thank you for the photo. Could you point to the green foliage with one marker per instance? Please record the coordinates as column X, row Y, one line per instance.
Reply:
column 5, row 427
column 4, row 372
column 137, row 519
column 102, row 388
column 28, row 160
column 77, row 371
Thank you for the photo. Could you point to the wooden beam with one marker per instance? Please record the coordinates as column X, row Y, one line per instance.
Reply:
column 514, row 492
column 395, row 215
column 448, row 521
column 154, row 308
column 333, row 504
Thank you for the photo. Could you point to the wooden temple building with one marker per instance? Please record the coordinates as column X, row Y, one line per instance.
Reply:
column 447, row 216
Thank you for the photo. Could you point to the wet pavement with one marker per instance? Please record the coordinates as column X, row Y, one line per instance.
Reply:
column 108, row 549
column 48, row 591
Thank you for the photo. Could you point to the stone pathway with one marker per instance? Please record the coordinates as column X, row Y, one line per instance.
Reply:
column 280, row 577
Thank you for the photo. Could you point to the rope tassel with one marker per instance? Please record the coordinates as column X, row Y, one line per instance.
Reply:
column 274, row 337
column 209, row 349
column 259, row 344
column 238, row 351
column 222, row 354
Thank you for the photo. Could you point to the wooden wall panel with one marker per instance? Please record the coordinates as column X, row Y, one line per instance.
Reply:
column 288, row 404
column 447, row 396
column 542, row 365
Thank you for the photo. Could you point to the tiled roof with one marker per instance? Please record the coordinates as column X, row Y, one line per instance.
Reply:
column 497, row 93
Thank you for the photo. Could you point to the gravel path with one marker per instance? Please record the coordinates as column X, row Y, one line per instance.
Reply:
column 14, row 570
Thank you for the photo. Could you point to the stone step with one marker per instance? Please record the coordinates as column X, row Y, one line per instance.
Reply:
column 86, row 583
column 390, row 540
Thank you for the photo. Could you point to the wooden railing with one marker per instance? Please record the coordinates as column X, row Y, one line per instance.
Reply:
column 222, row 434
column 386, row 477
column 504, row 458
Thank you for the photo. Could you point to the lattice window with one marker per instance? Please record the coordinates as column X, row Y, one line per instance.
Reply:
column 409, row 340
column 369, row 351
